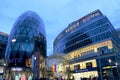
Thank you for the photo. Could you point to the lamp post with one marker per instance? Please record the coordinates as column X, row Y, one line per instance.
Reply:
column 4, row 70
column 117, row 69
column 110, row 61
column 34, row 67
column 100, row 66
column 34, row 58
column 4, row 64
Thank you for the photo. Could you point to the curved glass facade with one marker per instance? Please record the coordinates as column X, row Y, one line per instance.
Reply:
column 27, row 36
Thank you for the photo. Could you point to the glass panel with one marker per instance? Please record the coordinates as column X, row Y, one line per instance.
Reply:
column 16, row 46
column 17, row 31
column 24, row 30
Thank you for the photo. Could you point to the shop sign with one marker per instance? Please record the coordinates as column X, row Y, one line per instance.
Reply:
column 89, row 17
column 19, row 60
column 85, row 70
column 79, row 71
column 1, row 69
column 108, row 67
column 16, row 69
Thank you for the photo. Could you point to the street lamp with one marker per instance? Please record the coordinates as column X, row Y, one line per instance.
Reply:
column 116, row 64
column 4, row 64
column 34, row 67
column 117, row 69
column 110, row 61
column 35, row 58
column 4, row 70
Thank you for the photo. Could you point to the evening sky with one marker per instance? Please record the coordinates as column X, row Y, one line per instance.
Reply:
column 56, row 14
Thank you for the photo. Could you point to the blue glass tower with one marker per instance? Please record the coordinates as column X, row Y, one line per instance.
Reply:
column 27, row 37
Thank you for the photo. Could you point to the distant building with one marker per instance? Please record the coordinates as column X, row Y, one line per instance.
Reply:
column 92, row 45
column 26, row 45
column 118, row 30
column 3, row 43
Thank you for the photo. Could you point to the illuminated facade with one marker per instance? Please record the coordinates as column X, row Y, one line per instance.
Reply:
column 89, row 43
column 55, row 63
column 26, row 44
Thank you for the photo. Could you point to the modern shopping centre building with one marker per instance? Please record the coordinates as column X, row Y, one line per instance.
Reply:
column 92, row 46
column 26, row 47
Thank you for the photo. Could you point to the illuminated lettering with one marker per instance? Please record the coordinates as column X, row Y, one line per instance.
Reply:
column 15, row 60
column 89, row 17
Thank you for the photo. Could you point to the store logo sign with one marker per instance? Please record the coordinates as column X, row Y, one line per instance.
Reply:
column 19, row 60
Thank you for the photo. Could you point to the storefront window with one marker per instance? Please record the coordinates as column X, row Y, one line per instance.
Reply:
column 77, row 67
column 89, row 65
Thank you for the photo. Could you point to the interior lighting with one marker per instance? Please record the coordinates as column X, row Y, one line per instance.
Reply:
column 13, row 40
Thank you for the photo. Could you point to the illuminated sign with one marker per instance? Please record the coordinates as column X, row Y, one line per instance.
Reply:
column 89, row 17
column 79, row 22
column 16, row 69
column 85, row 70
column 82, row 20
column 54, row 68
column 1, row 69
column 19, row 60
column 16, row 77
column 57, row 68
column 108, row 67
column 23, row 77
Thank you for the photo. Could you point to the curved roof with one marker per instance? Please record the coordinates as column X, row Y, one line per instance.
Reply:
column 30, row 16
column 27, row 27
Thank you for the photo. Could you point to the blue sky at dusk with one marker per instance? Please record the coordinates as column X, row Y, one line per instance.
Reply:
column 56, row 14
